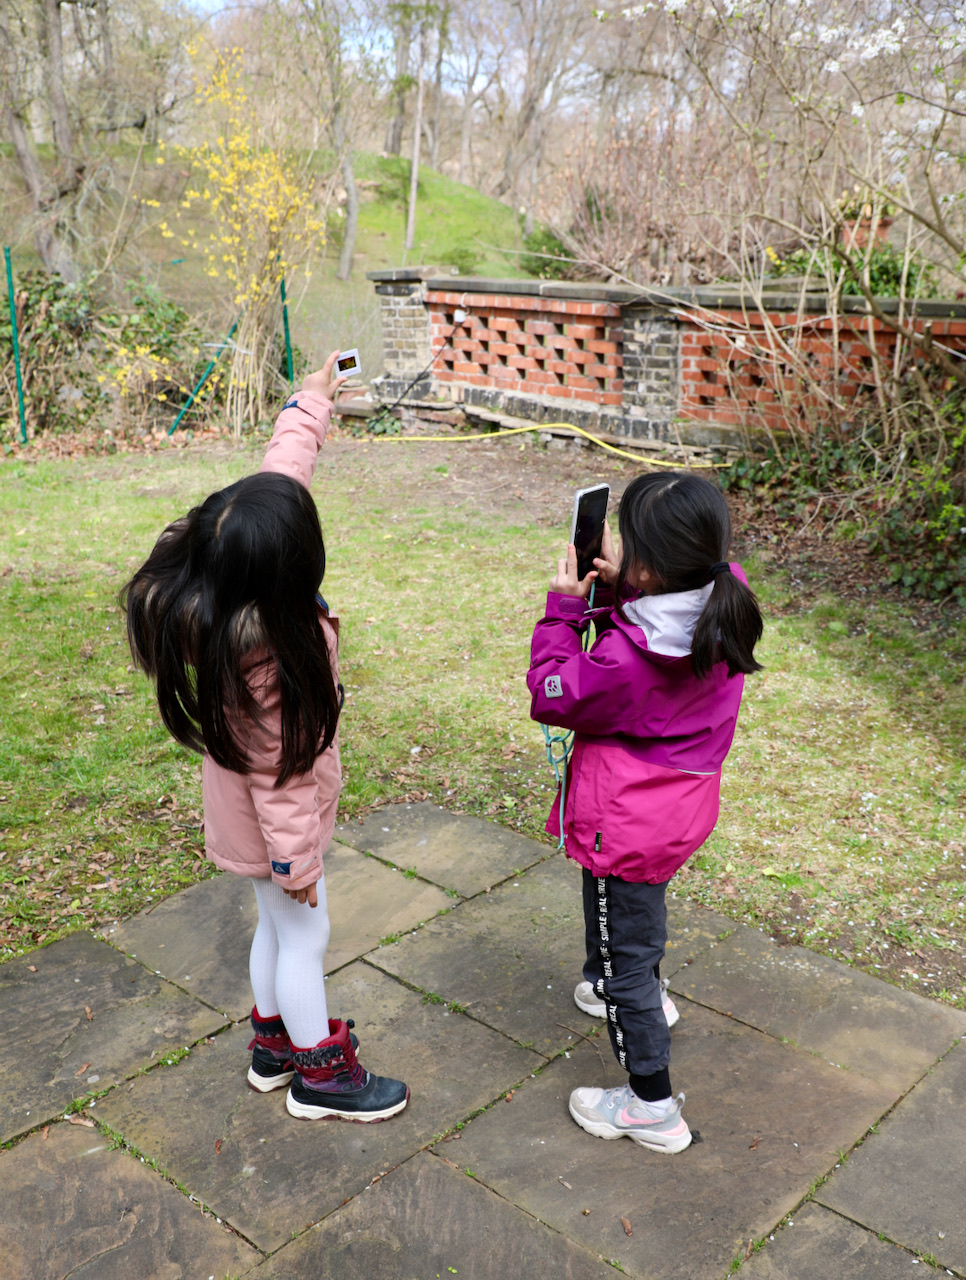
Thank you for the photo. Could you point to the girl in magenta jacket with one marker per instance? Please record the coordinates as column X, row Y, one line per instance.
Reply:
column 653, row 704
column 226, row 617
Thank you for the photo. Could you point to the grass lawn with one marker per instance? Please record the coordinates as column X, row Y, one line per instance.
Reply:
column 843, row 822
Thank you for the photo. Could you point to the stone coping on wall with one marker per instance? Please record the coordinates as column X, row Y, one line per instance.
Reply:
column 704, row 297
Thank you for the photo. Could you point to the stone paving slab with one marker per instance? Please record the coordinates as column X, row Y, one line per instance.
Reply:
column 513, row 956
column 200, row 938
column 452, row 850
column 73, row 1207
column 818, row 1245
column 908, row 1181
column 133, row 1015
column 691, row 931
column 847, row 1016
column 268, row 1174
column 771, row 1119
column 427, row 1219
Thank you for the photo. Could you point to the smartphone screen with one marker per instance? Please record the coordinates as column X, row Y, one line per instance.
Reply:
column 587, row 530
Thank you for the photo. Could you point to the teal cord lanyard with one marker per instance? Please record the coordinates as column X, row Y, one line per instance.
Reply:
column 558, row 744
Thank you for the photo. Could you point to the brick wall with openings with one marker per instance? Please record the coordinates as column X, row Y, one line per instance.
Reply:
column 561, row 348
column 699, row 366
column 780, row 369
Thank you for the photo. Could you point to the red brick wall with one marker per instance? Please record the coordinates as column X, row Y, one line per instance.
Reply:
column 735, row 369
column 544, row 346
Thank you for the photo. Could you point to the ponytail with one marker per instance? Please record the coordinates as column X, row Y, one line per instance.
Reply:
column 729, row 627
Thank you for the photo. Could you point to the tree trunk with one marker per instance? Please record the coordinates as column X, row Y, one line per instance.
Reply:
column 466, row 135
column 417, row 137
column 54, row 252
column 438, row 86
column 60, row 115
column 109, row 79
column 403, row 39
column 351, row 219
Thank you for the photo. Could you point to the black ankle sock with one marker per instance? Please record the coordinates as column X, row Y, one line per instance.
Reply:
column 652, row 1088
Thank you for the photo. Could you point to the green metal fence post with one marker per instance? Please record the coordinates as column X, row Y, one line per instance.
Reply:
column 16, row 346
column 202, row 380
column 288, row 338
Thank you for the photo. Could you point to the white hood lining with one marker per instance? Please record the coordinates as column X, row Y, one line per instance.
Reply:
column 668, row 620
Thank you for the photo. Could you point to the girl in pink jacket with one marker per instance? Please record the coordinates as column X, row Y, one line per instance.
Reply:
column 226, row 617
column 653, row 704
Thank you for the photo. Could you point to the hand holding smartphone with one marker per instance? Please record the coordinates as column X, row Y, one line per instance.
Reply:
column 587, row 527
column 586, row 539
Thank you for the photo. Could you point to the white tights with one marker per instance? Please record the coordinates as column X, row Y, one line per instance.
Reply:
column 286, row 962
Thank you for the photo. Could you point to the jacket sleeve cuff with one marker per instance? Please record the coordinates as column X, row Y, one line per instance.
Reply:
column 570, row 608
column 315, row 403
column 297, row 873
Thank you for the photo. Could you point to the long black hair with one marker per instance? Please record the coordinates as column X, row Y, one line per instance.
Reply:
column 677, row 525
column 237, row 573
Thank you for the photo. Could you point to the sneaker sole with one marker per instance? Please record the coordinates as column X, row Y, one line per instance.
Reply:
column 601, row 1129
column 592, row 1010
column 265, row 1084
column 303, row 1111
column 600, row 1011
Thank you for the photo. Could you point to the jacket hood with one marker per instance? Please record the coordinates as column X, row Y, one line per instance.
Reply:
column 668, row 620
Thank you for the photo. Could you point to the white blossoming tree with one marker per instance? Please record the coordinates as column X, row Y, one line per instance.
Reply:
column 840, row 129
column 863, row 103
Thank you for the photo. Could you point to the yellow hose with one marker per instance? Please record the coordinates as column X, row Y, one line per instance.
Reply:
column 546, row 426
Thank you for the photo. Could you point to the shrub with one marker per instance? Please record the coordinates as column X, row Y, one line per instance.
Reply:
column 462, row 258
column 89, row 360
column 911, row 514
column 547, row 257
column 886, row 264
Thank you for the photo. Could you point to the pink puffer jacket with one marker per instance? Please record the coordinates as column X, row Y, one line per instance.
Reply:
column 252, row 827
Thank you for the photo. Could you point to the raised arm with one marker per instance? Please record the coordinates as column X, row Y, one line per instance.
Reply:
column 301, row 427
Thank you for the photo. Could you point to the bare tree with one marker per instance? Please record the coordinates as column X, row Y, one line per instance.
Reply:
column 31, row 37
column 433, row 125
column 417, row 137
column 326, row 21
column 477, row 47
column 69, row 84
column 549, row 38
column 860, row 106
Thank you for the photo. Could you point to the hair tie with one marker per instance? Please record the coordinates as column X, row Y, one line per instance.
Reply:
column 721, row 567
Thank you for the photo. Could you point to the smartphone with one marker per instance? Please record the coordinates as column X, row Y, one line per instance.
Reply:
column 347, row 364
column 587, row 529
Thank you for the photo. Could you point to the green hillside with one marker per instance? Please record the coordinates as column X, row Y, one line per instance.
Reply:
column 456, row 226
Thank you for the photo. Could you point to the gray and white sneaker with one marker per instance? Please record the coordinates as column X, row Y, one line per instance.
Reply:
column 587, row 999
column 620, row 1113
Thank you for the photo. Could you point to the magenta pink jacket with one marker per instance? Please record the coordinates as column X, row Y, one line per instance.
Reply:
column 650, row 737
column 252, row 827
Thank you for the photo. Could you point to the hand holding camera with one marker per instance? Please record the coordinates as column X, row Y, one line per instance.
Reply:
column 338, row 368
